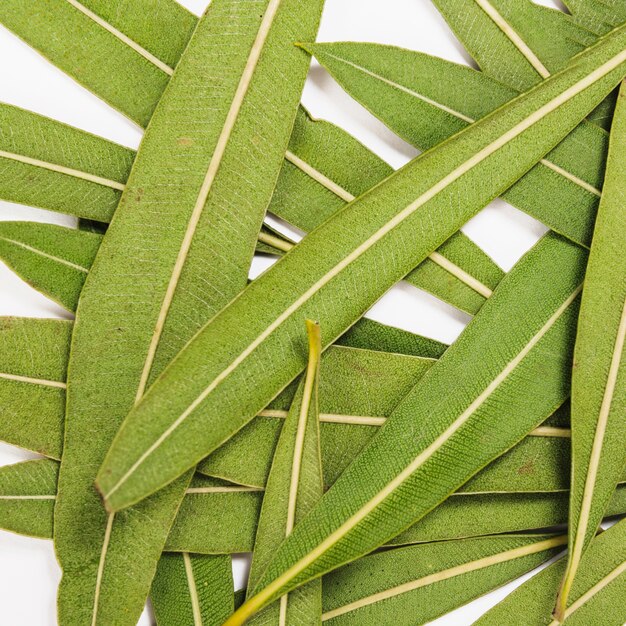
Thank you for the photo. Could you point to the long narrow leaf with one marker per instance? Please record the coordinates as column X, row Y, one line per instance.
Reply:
column 562, row 190
column 599, row 377
column 521, row 42
column 367, row 239
column 28, row 490
column 178, row 249
column 294, row 486
column 312, row 179
column 359, row 390
column 596, row 596
column 33, row 364
column 192, row 590
column 54, row 166
column 119, row 51
column 398, row 477
column 414, row 585
column 53, row 259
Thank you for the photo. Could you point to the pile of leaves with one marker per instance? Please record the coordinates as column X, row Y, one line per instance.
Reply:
column 187, row 414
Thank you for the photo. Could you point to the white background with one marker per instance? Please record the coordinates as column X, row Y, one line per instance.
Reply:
column 29, row 573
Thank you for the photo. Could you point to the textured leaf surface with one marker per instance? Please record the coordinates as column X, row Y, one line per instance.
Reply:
column 33, row 364
column 124, row 52
column 315, row 183
column 167, row 432
column 192, row 590
column 294, row 486
column 232, row 511
column 178, row 249
column 562, row 190
column 520, row 42
column 52, row 259
column 359, row 390
column 599, row 375
column 53, row 166
column 414, row 585
column 597, row 593
column 443, row 432
column 27, row 494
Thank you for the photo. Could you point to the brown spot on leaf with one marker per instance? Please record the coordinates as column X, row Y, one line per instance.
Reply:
column 185, row 141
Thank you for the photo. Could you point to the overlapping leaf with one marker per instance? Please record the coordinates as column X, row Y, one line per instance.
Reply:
column 232, row 511
column 599, row 378
column 33, row 364
column 177, row 250
column 414, row 585
column 526, row 328
column 192, row 590
column 596, row 597
column 562, row 190
column 293, row 487
column 417, row 204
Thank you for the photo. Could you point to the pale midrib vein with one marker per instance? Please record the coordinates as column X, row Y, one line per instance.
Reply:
column 214, row 164
column 56, row 259
column 61, row 169
column 298, row 449
column 364, row 420
column 275, row 242
column 556, row 168
column 452, row 572
column 465, row 167
column 346, row 196
column 596, row 454
column 599, row 586
column 382, row 495
column 514, row 37
column 234, row 489
column 27, row 497
column 100, row 573
column 122, row 37
column 193, row 592
column 33, row 381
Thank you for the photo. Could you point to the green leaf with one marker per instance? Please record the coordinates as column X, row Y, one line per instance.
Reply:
column 324, row 277
column 232, row 511
column 191, row 589
column 314, row 184
column 414, row 585
column 293, row 487
column 371, row 335
column 313, row 181
column 527, row 330
column 599, row 375
column 598, row 15
column 52, row 259
column 596, row 598
column 123, row 52
column 178, row 249
column 459, row 273
column 359, row 389
column 57, row 167
column 520, row 42
column 33, row 364
column 424, row 110
column 27, row 495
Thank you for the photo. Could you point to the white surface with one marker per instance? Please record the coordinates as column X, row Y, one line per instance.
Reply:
column 28, row 570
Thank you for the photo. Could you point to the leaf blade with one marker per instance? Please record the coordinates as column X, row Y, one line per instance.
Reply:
column 599, row 378
column 380, row 215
